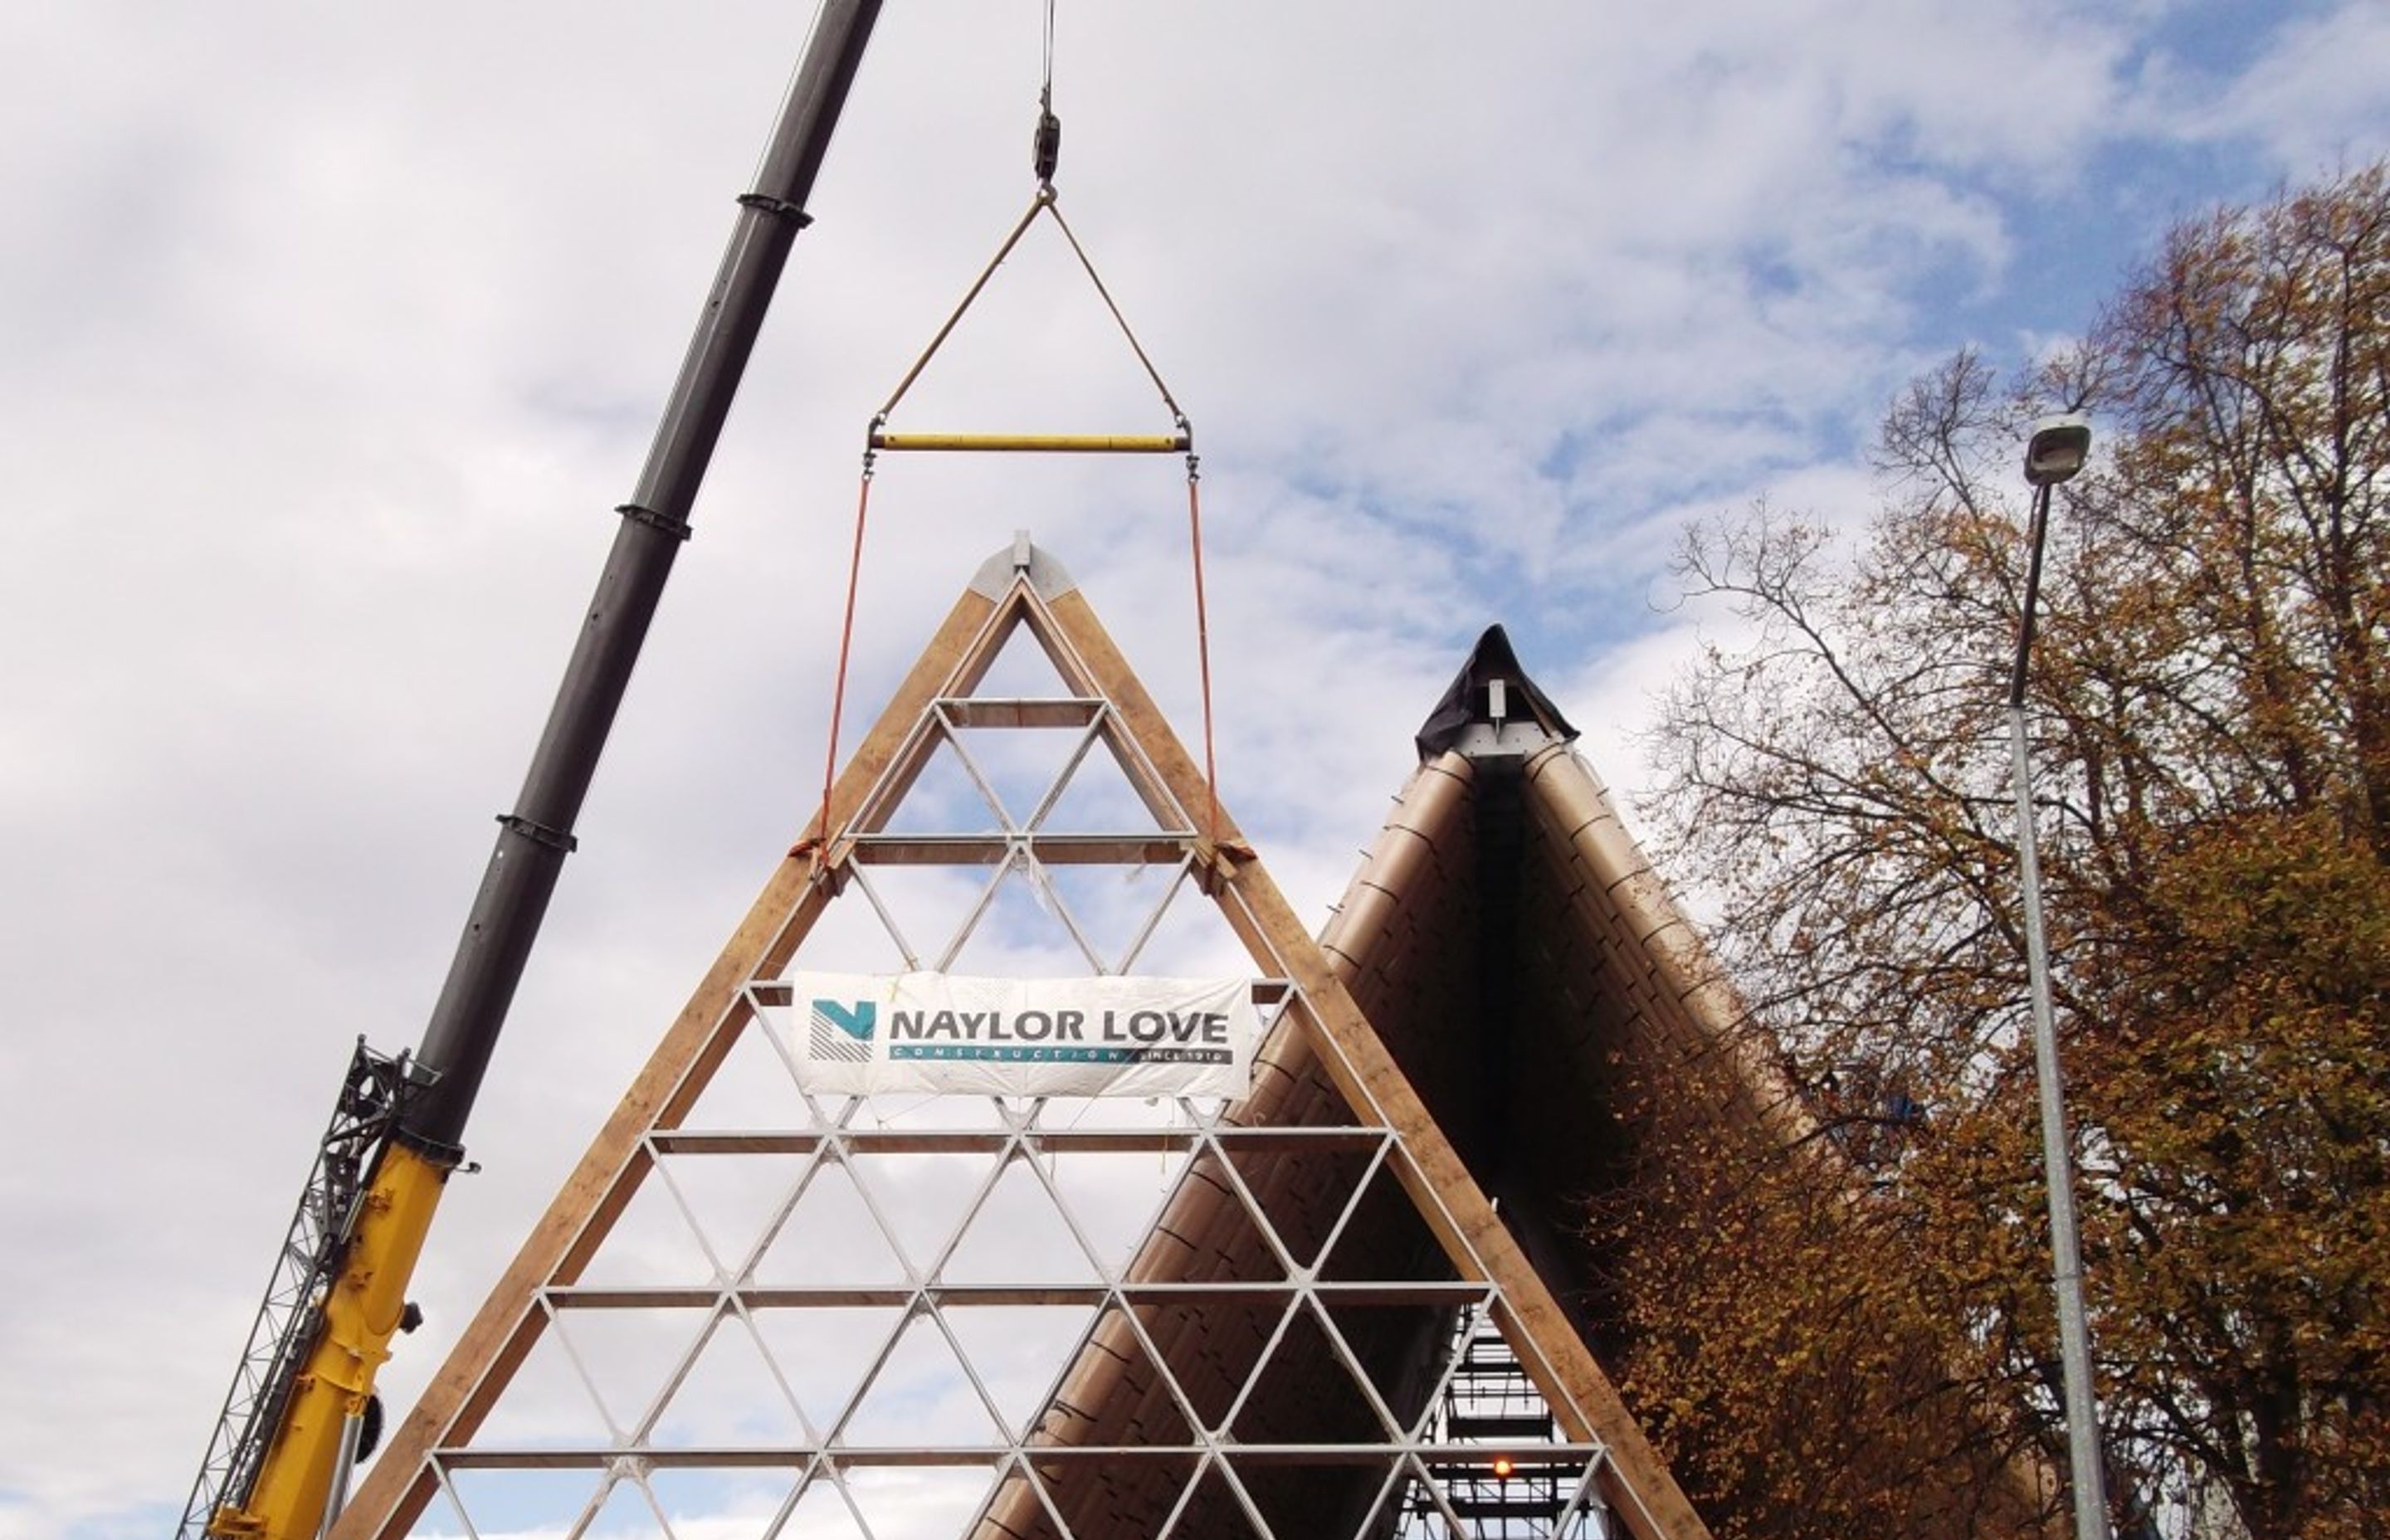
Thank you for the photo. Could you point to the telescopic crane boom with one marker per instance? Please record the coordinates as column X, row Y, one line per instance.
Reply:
column 278, row 1463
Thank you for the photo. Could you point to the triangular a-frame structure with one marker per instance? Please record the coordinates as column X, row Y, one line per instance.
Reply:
column 756, row 1311
column 1516, row 953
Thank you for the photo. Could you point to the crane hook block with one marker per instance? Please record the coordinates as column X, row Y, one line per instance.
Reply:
column 1046, row 147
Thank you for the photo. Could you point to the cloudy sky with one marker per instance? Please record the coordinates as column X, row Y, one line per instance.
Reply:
column 330, row 335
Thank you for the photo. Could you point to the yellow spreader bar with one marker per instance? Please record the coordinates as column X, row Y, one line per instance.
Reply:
column 1049, row 443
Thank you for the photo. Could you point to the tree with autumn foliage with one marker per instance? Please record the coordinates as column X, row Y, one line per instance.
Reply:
column 2210, row 718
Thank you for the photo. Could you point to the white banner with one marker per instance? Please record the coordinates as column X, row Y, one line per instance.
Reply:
column 869, row 1035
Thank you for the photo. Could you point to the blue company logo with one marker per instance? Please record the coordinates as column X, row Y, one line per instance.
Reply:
column 842, row 1030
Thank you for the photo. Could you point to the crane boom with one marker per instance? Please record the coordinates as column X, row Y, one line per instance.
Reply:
column 272, row 1469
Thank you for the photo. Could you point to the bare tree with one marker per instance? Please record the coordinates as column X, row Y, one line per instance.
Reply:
column 2212, row 719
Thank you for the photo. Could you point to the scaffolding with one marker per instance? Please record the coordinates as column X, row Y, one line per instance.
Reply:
column 1502, row 1466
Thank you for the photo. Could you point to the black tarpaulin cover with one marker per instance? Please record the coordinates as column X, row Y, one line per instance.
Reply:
column 1465, row 702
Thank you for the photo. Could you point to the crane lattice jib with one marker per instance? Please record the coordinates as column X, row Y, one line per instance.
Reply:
column 290, row 1316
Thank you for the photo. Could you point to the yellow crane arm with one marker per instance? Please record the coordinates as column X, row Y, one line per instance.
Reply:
column 362, row 1310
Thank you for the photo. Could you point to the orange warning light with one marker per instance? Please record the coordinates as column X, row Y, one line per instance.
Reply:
column 1502, row 1466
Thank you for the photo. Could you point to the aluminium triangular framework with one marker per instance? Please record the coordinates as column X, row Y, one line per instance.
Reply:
column 786, row 1315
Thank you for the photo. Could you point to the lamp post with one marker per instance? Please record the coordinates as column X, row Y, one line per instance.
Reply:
column 2055, row 452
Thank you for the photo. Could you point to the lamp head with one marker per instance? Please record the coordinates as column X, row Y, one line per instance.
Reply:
column 2058, row 448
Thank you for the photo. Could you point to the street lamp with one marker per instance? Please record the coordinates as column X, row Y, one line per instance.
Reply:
column 2055, row 452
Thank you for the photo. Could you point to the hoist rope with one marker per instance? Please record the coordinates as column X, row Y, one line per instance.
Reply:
column 1106, row 295
column 1202, row 645
column 845, row 645
column 1044, row 202
column 971, row 296
column 1045, row 90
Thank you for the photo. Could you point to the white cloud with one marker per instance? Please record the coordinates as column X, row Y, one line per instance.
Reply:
column 2316, row 96
column 2302, row 99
